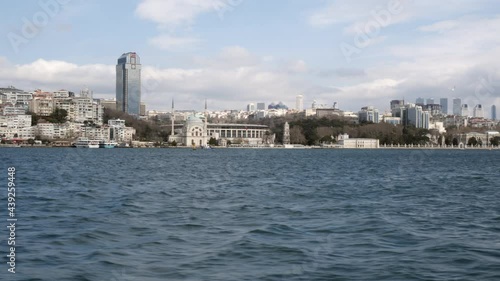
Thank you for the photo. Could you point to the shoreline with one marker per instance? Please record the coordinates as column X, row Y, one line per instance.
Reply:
column 278, row 147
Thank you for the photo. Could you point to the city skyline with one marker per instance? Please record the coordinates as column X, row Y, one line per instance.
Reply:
column 205, row 49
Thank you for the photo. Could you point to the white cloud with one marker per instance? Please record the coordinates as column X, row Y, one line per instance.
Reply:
column 243, row 78
column 171, row 43
column 172, row 13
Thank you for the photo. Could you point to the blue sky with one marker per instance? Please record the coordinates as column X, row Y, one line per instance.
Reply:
column 234, row 52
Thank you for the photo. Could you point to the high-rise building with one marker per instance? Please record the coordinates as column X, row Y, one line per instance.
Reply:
column 396, row 104
column 413, row 115
column 251, row 107
column 128, row 84
column 465, row 110
column 457, row 106
column 299, row 103
column 478, row 111
column 261, row 106
column 444, row 105
column 368, row 114
column 430, row 101
column 494, row 112
column 420, row 101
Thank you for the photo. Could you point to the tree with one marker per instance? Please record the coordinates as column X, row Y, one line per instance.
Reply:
column 495, row 141
column 296, row 135
column 212, row 141
column 472, row 141
column 58, row 116
column 455, row 142
column 173, row 143
column 31, row 141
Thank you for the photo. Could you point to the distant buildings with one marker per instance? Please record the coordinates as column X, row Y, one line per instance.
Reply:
column 280, row 105
column 444, row 105
column 494, row 112
column 251, row 107
column 420, row 101
column 397, row 104
column 457, row 106
column 430, row 101
column 261, row 106
column 299, row 103
column 368, row 114
column 464, row 110
column 414, row 115
column 478, row 111
column 128, row 84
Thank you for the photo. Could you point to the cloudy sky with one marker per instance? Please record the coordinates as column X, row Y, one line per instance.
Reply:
column 233, row 52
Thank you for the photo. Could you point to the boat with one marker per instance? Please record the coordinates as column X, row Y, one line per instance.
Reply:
column 107, row 144
column 86, row 143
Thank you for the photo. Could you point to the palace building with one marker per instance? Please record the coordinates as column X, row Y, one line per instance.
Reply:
column 197, row 132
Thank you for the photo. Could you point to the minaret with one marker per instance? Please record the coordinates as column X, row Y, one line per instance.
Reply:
column 205, row 130
column 173, row 118
column 286, row 134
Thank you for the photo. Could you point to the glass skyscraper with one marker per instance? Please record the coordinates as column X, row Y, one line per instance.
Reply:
column 444, row 105
column 494, row 112
column 128, row 84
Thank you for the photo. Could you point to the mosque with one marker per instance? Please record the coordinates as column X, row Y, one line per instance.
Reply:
column 197, row 132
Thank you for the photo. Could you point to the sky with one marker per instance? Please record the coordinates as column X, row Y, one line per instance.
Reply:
column 235, row 52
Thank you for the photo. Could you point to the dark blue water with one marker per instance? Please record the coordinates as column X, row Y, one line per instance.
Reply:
column 237, row 214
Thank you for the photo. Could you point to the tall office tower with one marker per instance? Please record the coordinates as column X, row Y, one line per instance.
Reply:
column 430, row 101
column 420, row 101
column 457, row 106
column 128, row 84
column 299, row 103
column 478, row 111
column 465, row 110
column 396, row 104
column 261, row 106
column 444, row 105
column 250, row 107
column 494, row 112
column 413, row 115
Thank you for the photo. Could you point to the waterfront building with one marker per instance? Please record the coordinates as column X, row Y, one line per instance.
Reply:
column 457, row 106
column 494, row 112
column 345, row 142
column 128, row 84
column 368, row 114
column 118, row 132
column 299, row 103
column 478, row 111
column 444, row 105
column 193, row 133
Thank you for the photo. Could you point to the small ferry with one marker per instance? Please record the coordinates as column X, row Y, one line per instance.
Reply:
column 107, row 144
column 86, row 143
